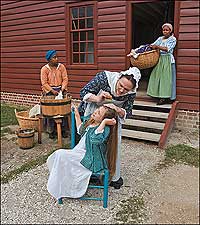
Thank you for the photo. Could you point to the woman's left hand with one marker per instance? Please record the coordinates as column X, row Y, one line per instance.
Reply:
column 119, row 111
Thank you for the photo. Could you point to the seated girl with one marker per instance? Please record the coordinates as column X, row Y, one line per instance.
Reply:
column 70, row 170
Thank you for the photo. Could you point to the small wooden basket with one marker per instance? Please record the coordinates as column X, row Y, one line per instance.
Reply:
column 25, row 122
column 25, row 138
column 146, row 59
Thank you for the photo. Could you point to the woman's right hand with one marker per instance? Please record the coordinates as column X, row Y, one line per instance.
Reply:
column 103, row 95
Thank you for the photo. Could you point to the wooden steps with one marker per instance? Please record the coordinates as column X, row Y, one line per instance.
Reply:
column 150, row 122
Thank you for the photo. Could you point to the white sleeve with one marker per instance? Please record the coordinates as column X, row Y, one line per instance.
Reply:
column 85, row 98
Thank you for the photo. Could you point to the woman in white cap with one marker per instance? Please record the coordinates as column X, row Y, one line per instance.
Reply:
column 162, row 82
column 118, row 89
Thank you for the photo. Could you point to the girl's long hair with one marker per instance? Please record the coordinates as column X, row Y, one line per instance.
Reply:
column 112, row 142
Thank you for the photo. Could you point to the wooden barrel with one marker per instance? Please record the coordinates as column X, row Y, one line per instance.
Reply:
column 25, row 138
column 54, row 107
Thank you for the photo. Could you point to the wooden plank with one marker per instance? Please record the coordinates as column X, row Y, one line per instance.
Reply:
column 188, row 36
column 46, row 30
column 189, row 106
column 110, row 4
column 187, row 83
column 22, row 81
column 188, row 44
column 187, row 91
column 33, row 20
column 112, row 31
column 189, row 12
column 188, row 68
column 152, row 104
column 114, row 10
column 33, row 25
column 168, row 125
column 187, row 76
column 140, row 135
column 16, row 86
column 4, row 77
column 150, row 114
column 188, row 28
column 113, row 39
column 114, row 59
column 37, row 13
column 20, row 4
column 189, row 20
column 31, row 8
column 111, row 66
column 188, row 60
column 60, row 41
column 108, row 52
column 189, row 4
column 31, row 54
column 111, row 45
column 110, row 25
column 107, row 18
column 29, row 60
column 188, row 52
column 188, row 99
column 33, row 48
column 141, row 123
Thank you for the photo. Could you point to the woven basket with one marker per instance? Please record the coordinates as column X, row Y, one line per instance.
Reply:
column 25, row 122
column 146, row 59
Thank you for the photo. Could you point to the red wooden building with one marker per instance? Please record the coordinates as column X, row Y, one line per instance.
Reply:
column 92, row 36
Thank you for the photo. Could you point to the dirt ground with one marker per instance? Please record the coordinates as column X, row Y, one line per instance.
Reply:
column 173, row 193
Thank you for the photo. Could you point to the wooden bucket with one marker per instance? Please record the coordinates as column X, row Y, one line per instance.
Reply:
column 54, row 107
column 25, row 138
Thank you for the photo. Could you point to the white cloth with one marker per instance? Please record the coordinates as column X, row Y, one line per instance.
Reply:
column 68, row 177
column 113, row 77
column 36, row 110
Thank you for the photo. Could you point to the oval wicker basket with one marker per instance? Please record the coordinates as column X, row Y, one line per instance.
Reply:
column 25, row 122
column 146, row 59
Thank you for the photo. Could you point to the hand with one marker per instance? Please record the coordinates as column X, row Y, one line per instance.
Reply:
column 110, row 122
column 103, row 95
column 154, row 46
column 73, row 106
column 54, row 92
column 119, row 111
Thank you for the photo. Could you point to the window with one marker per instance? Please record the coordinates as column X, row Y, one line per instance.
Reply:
column 82, row 34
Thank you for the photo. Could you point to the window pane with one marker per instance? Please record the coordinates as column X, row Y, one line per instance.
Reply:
column 82, row 12
column 81, row 24
column 83, row 35
column 89, row 23
column 83, row 58
column 83, row 47
column 90, row 47
column 75, row 36
column 75, row 58
column 75, row 47
column 89, row 11
column 74, row 13
column 90, row 35
column 74, row 24
column 90, row 58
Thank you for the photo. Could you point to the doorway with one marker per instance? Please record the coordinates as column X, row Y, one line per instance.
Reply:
column 147, row 20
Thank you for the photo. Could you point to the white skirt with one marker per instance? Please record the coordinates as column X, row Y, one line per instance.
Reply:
column 68, row 177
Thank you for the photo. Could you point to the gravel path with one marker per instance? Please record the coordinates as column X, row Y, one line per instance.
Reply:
column 26, row 200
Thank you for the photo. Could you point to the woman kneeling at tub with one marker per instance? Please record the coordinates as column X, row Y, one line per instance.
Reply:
column 70, row 170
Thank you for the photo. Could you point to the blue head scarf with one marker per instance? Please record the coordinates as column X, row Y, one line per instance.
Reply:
column 50, row 54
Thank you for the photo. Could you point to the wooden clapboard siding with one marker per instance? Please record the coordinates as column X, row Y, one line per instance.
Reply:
column 28, row 30
column 188, row 56
column 111, row 35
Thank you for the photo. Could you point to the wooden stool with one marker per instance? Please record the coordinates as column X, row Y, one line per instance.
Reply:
column 58, row 120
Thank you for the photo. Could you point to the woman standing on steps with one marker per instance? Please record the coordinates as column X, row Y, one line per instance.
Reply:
column 162, row 82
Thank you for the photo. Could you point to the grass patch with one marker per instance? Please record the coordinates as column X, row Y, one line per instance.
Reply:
column 8, row 114
column 5, row 131
column 5, row 178
column 132, row 210
column 180, row 154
